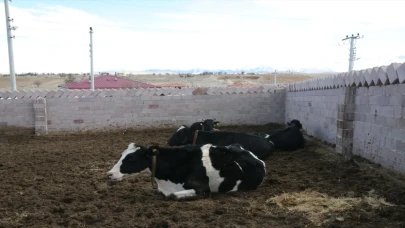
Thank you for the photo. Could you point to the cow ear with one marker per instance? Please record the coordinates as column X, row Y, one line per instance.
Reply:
column 131, row 145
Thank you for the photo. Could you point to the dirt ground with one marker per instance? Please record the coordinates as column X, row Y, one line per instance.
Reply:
column 59, row 181
column 32, row 83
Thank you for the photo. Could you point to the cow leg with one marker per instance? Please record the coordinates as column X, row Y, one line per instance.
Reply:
column 184, row 194
column 197, row 190
column 197, row 180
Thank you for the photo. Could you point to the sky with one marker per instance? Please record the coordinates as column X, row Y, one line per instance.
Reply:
column 53, row 35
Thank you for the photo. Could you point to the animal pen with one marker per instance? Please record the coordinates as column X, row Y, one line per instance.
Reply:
column 56, row 147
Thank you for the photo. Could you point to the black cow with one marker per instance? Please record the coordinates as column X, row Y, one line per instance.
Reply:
column 193, row 170
column 205, row 125
column 288, row 139
column 259, row 146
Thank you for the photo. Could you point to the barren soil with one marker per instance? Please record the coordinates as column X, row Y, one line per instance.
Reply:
column 30, row 83
column 59, row 181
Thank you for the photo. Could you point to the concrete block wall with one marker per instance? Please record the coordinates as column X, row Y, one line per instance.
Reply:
column 317, row 111
column 76, row 110
column 377, row 76
column 379, row 125
column 345, row 117
column 369, row 112
column 162, row 111
column 17, row 113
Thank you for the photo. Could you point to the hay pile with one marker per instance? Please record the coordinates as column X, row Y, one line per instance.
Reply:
column 317, row 206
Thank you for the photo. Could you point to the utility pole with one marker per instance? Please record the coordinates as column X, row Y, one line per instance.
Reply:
column 10, row 37
column 352, row 55
column 275, row 77
column 91, row 59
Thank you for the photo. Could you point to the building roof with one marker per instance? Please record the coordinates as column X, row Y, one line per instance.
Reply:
column 107, row 82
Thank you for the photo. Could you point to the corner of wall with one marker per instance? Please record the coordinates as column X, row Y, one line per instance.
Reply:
column 344, row 122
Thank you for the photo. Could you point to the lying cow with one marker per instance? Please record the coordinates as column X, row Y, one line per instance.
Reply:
column 193, row 170
column 205, row 125
column 259, row 146
column 288, row 139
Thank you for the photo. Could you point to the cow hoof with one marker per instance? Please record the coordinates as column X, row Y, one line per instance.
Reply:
column 172, row 197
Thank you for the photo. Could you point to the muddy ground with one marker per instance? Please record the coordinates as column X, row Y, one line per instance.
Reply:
column 59, row 181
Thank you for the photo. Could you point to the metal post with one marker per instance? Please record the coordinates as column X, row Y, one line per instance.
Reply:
column 275, row 77
column 352, row 54
column 91, row 59
column 13, row 84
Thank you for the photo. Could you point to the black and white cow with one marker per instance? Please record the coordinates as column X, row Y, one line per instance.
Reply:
column 288, row 139
column 205, row 125
column 193, row 170
column 259, row 146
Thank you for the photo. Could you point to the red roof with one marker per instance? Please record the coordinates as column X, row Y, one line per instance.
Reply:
column 107, row 82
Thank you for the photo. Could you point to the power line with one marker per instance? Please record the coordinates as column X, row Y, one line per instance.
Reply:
column 10, row 37
column 352, row 54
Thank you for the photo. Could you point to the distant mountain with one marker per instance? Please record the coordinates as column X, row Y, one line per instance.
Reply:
column 256, row 70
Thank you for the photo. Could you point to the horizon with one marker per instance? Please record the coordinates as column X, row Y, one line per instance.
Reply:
column 53, row 36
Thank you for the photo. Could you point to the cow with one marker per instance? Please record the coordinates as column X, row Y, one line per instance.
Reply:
column 288, row 139
column 205, row 125
column 193, row 170
column 211, row 123
column 259, row 146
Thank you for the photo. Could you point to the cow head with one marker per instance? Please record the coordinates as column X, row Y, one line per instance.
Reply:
column 296, row 123
column 209, row 124
column 180, row 137
column 133, row 160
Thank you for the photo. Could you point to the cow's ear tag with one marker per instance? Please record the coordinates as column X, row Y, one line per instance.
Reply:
column 201, row 124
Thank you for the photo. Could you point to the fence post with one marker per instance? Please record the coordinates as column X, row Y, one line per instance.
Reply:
column 41, row 120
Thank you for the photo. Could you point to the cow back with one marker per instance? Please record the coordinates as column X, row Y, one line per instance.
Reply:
column 257, row 145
